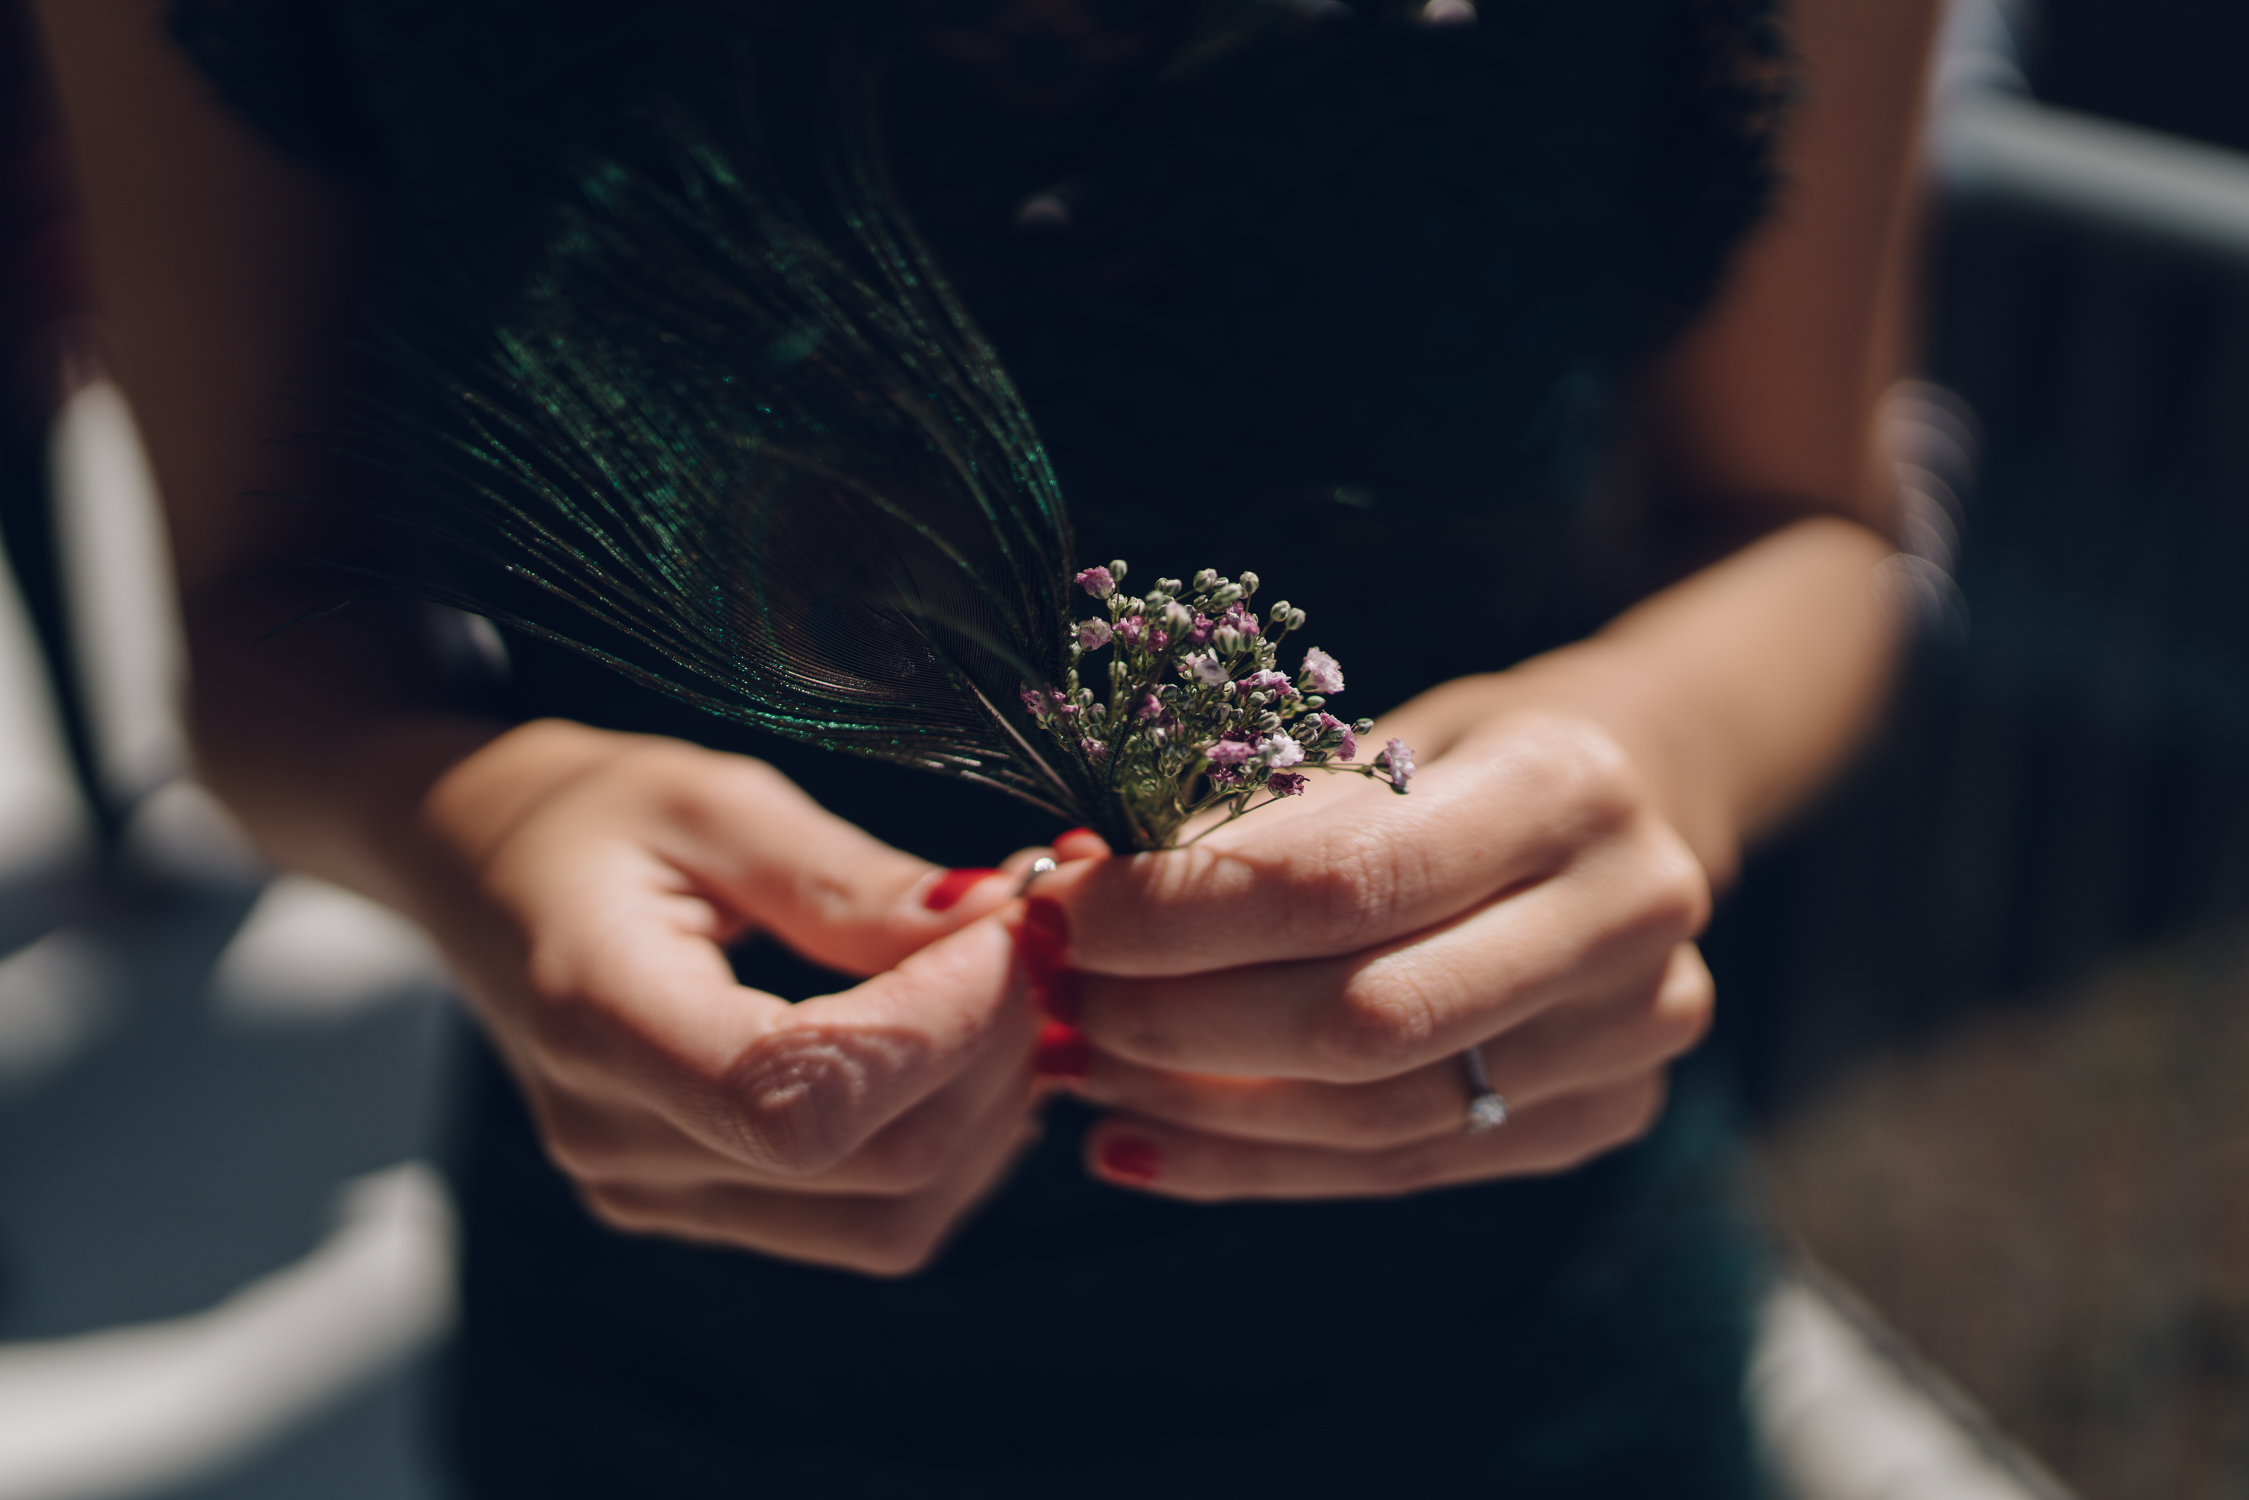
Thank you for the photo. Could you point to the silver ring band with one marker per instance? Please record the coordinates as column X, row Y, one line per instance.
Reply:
column 1487, row 1110
column 1043, row 865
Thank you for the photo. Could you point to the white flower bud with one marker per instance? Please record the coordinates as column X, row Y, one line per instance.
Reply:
column 1226, row 595
column 1249, row 582
column 1278, row 612
column 1277, row 750
column 1117, row 570
column 1296, row 619
column 1205, row 580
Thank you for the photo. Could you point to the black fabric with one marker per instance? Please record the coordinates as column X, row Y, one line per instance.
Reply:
column 1579, row 1336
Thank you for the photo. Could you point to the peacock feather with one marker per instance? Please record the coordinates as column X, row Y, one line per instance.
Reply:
column 762, row 448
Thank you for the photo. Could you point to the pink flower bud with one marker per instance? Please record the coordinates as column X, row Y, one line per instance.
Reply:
column 1096, row 581
column 1350, row 745
column 1322, row 673
column 1398, row 756
column 1270, row 682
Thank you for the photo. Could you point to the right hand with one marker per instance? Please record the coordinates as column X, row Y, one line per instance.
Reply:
column 585, row 885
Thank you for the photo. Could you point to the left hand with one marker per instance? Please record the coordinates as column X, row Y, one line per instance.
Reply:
column 1278, row 1012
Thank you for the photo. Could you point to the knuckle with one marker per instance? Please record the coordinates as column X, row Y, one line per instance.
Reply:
column 1586, row 776
column 1337, row 900
column 1680, row 888
column 1665, row 899
column 670, row 778
column 1687, row 1013
column 1375, row 1031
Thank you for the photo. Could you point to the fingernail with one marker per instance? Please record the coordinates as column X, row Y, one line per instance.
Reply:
column 951, row 886
column 1064, row 1052
column 1060, row 993
column 1086, row 843
column 1130, row 1159
column 1045, row 934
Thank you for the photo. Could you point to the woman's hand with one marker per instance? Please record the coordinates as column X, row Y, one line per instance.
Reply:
column 585, row 883
column 1278, row 1012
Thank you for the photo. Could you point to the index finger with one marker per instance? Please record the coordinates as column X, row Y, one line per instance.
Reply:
column 1367, row 869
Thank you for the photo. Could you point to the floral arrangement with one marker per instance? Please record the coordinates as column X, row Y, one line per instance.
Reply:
column 1198, row 715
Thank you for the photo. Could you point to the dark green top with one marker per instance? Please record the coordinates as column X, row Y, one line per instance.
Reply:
column 1339, row 299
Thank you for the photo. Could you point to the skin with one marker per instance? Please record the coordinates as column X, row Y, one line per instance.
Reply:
column 1274, row 1014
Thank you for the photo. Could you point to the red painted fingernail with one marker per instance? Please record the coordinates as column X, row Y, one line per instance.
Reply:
column 1064, row 1052
column 1044, row 936
column 1060, row 993
column 951, row 886
column 1130, row 1159
column 1072, row 833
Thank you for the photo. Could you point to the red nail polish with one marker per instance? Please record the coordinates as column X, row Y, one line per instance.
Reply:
column 1064, row 1052
column 1044, row 936
column 951, row 886
column 1060, row 993
column 1072, row 833
column 1129, row 1159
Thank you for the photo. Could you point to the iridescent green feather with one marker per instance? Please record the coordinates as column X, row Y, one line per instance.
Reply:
column 786, row 474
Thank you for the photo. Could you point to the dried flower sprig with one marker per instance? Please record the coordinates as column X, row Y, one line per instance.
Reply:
column 1198, row 715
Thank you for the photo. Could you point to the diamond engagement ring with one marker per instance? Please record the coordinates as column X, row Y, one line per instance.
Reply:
column 1486, row 1109
column 1043, row 865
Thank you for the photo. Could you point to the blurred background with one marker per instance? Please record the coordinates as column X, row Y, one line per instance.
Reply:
column 1988, row 1002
